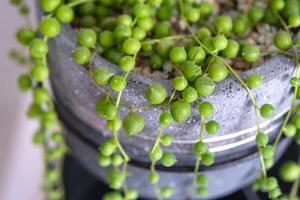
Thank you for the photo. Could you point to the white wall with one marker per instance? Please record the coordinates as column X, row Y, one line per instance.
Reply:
column 20, row 162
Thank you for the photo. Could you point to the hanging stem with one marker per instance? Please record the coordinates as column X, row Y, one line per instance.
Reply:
column 152, row 168
column 156, row 186
column 156, row 145
column 157, row 141
column 262, row 163
column 247, row 89
column 197, row 163
column 119, row 146
column 295, row 90
column 123, row 152
column 116, row 135
column 295, row 188
column 124, row 174
column 196, row 170
column 58, row 165
column 235, row 75
column 121, row 92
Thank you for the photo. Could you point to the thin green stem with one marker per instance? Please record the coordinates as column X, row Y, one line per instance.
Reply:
column 173, row 37
column 257, row 116
column 116, row 137
column 232, row 71
column 177, row 69
column 245, row 86
column 156, row 145
column 170, row 100
column 76, row 3
column 286, row 53
column 196, row 171
column 134, row 22
column 119, row 146
column 283, row 23
column 197, row 163
column 152, row 168
column 208, row 66
column 133, row 108
column 123, row 152
column 295, row 188
column 287, row 117
column 157, row 140
column 124, row 175
column 121, row 92
column 90, row 71
column 108, row 94
column 202, row 128
column 262, row 163
column 156, row 186
column 235, row 74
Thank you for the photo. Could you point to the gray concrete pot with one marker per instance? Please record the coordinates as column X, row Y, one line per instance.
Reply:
column 236, row 155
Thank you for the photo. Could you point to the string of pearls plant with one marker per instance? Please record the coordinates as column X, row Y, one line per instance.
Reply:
column 198, row 44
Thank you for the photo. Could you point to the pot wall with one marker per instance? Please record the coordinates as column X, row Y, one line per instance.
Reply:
column 224, row 177
column 76, row 95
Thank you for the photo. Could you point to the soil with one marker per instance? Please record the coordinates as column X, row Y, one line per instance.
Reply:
column 260, row 35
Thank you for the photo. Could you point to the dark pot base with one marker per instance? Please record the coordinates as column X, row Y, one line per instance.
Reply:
column 81, row 185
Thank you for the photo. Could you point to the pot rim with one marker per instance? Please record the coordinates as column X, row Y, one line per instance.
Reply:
column 147, row 79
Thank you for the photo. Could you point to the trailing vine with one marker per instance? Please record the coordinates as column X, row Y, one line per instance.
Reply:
column 159, row 33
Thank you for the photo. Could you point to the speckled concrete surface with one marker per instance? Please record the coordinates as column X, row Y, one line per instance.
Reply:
column 234, row 111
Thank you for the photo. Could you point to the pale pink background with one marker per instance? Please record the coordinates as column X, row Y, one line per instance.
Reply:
column 20, row 162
